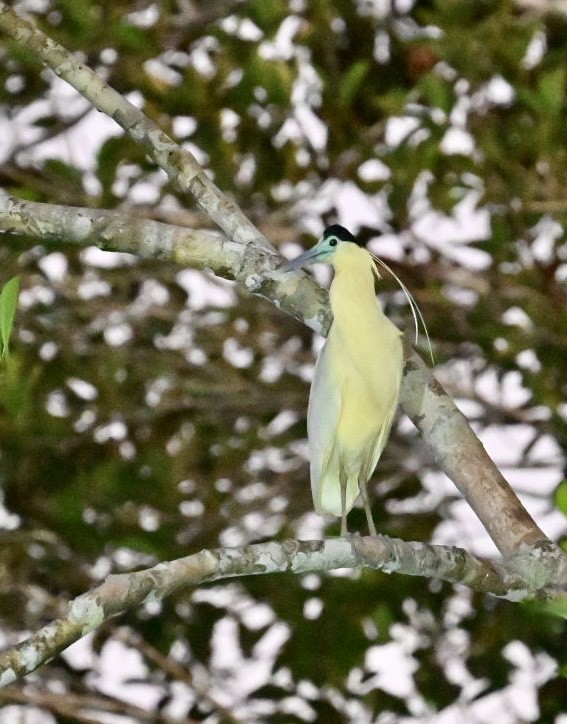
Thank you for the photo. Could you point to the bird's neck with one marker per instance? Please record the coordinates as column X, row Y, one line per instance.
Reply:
column 352, row 293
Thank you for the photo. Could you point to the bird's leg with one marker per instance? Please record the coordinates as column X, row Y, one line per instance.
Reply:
column 343, row 481
column 366, row 505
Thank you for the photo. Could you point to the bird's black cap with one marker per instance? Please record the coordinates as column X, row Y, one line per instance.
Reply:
column 341, row 233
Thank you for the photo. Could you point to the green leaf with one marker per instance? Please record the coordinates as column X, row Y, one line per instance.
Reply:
column 352, row 82
column 61, row 173
column 560, row 496
column 437, row 91
column 8, row 304
column 552, row 91
column 556, row 607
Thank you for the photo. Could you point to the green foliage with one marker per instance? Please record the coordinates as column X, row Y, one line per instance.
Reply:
column 8, row 305
column 561, row 497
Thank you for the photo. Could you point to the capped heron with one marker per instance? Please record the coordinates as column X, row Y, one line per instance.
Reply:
column 355, row 388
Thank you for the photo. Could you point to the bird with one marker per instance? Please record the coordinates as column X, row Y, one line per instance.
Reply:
column 356, row 382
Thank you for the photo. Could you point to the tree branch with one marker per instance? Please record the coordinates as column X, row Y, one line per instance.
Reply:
column 249, row 264
column 79, row 708
column 116, row 231
column 518, row 579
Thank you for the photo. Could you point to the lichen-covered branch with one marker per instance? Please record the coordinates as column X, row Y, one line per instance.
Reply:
column 249, row 264
column 116, row 231
column 518, row 579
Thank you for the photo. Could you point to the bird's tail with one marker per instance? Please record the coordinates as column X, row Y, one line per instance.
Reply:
column 327, row 494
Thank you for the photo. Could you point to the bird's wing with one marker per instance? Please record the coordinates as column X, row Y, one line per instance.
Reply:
column 322, row 421
column 389, row 402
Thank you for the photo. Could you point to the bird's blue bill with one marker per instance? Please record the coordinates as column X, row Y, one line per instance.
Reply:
column 311, row 256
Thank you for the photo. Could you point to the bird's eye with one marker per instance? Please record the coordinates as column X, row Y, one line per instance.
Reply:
column 332, row 242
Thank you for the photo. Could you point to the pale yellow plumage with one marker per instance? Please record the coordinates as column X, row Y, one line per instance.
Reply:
column 356, row 384
column 354, row 393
